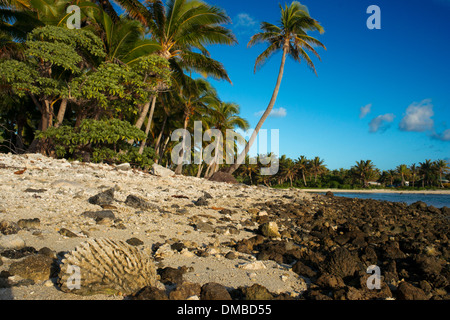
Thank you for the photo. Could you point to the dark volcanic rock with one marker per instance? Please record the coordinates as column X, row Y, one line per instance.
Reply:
column 256, row 292
column 341, row 263
column 150, row 293
column 102, row 198
column 138, row 203
column 171, row 275
column 99, row 214
column 185, row 290
column 214, row 291
column 223, row 177
column 9, row 227
column 407, row 291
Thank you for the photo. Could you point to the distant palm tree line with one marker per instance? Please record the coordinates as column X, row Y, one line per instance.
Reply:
column 313, row 173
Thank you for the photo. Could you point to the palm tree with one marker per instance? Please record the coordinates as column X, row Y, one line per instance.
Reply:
column 224, row 116
column 426, row 171
column 303, row 165
column 291, row 37
column 317, row 167
column 442, row 167
column 288, row 170
column 365, row 170
column 413, row 169
column 196, row 97
column 403, row 171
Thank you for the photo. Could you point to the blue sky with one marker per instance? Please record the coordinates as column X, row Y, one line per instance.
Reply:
column 382, row 95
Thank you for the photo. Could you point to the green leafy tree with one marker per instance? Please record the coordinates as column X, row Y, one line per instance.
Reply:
column 54, row 57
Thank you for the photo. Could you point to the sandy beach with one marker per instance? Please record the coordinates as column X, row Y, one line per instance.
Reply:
column 212, row 238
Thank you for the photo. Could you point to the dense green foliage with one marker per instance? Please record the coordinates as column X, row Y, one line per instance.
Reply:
column 100, row 141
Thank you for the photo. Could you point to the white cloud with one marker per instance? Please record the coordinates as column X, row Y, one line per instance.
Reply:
column 418, row 117
column 381, row 123
column 244, row 20
column 364, row 110
column 275, row 113
column 444, row 136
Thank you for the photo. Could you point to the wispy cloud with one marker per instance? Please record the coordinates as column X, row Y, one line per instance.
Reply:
column 363, row 111
column 444, row 136
column 381, row 123
column 275, row 113
column 245, row 24
column 418, row 117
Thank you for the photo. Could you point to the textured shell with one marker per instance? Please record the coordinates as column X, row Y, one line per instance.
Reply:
column 106, row 267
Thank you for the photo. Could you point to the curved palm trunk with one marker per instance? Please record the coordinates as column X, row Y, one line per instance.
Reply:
column 266, row 113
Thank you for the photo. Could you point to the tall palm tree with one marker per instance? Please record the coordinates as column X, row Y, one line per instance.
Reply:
column 426, row 171
column 291, row 37
column 303, row 166
column 225, row 116
column 196, row 96
column 414, row 170
column 365, row 170
column 181, row 29
column 442, row 167
column 403, row 171
column 288, row 170
column 317, row 167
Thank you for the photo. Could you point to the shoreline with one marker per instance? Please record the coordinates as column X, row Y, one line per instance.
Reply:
column 441, row 192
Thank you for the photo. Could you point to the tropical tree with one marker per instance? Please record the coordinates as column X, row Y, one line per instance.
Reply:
column 303, row 165
column 403, row 171
column 414, row 170
column 426, row 170
column 288, row 170
column 442, row 168
column 224, row 116
column 291, row 37
column 365, row 171
column 317, row 167
column 195, row 96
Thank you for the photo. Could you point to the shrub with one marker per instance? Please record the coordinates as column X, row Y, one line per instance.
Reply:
column 99, row 141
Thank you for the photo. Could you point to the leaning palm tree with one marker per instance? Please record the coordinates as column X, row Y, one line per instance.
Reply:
column 290, row 36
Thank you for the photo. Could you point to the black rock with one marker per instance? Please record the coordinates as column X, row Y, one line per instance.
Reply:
column 99, row 214
column 138, row 203
column 171, row 275
column 150, row 293
column 201, row 202
column 18, row 253
column 102, row 198
column 214, row 291
column 134, row 242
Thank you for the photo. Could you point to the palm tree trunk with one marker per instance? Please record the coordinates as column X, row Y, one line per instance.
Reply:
column 147, row 128
column 179, row 168
column 266, row 113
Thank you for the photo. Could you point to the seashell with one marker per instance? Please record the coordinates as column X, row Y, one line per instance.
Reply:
column 105, row 266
